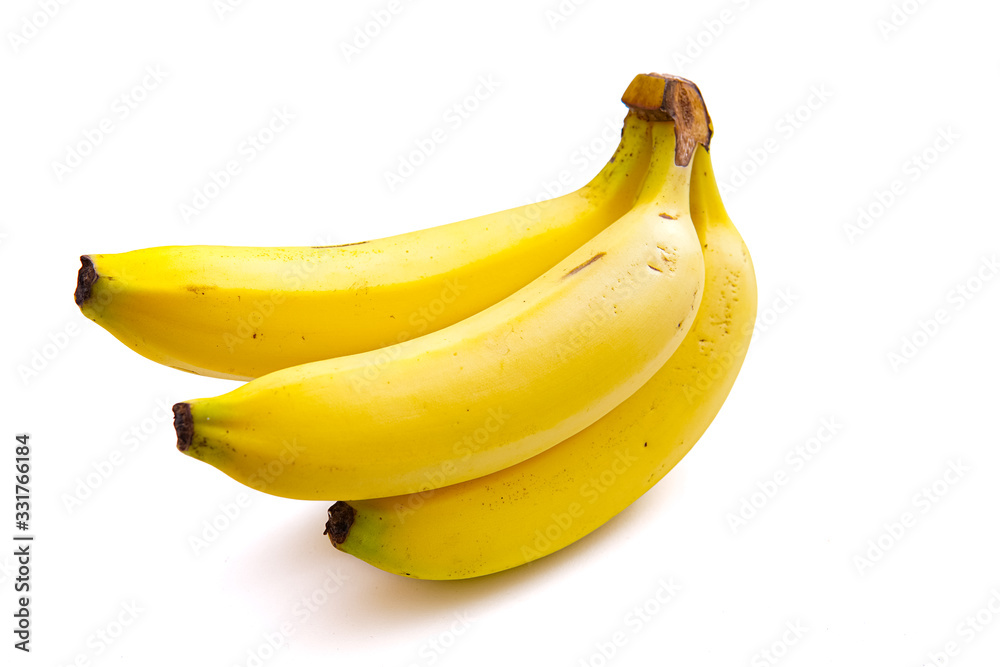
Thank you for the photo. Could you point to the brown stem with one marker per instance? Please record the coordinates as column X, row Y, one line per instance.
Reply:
column 663, row 97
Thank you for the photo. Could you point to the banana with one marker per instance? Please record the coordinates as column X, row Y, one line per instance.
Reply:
column 491, row 390
column 548, row 502
column 239, row 312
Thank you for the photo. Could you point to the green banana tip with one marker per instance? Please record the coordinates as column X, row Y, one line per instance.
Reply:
column 85, row 280
column 184, row 425
column 340, row 518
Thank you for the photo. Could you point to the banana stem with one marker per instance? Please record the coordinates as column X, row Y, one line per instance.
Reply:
column 667, row 183
column 661, row 97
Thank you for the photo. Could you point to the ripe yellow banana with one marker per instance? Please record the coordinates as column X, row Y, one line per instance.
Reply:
column 491, row 390
column 548, row 502
column 239, row 312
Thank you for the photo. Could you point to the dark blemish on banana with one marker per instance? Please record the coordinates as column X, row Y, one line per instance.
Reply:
column 586, row 264
column 342, row 245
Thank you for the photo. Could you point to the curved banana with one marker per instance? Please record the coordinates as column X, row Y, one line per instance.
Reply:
column 239, row 312
column 548, row 502
column 487, row 392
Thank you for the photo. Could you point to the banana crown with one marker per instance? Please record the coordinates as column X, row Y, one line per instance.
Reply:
column 666, row 97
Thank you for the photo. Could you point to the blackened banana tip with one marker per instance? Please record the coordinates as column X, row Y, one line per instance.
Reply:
column 340, row 518
column 85, row 280
column 184, row 425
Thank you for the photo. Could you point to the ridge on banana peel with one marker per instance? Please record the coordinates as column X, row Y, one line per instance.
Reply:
column 550, row 501
column 242, row 312
column 464, row 401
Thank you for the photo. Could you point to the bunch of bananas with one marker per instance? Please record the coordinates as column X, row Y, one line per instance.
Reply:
column 481, row 393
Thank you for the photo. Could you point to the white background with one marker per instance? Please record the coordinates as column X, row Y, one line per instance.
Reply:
column 864, row 101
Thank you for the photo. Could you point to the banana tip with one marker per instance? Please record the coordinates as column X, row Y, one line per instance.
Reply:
column 85, row 280
column 184, row 425
column 340, row 518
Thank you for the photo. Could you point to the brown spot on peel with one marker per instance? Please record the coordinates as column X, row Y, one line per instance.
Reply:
column 184, row 425
column 586, row 264
column 669, row 257
column 668, row 216
column 342, row 245
column 664, row 97
column 340, row 518
column 85, row 280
